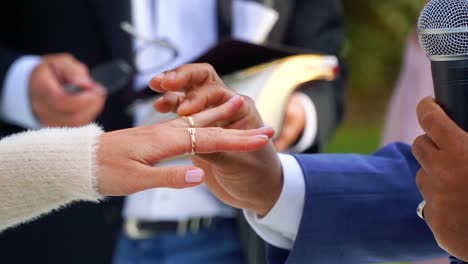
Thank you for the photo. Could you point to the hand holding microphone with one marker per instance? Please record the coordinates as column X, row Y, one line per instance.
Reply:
column 443, row 181
column 443, row 151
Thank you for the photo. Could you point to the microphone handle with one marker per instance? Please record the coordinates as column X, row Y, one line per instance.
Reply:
column 451, row 93
column 451, row 89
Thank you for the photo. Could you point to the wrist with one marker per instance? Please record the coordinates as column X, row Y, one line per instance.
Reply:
column 271, row 194
column 103, row 162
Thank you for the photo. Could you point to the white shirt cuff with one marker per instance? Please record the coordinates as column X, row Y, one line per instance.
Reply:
column 15, row 106
column 311, row 126
column 280, row 226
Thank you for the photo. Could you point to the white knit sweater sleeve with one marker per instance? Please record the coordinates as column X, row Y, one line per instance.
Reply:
column 44, row 170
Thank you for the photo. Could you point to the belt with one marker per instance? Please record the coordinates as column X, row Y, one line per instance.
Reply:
column 136, row 229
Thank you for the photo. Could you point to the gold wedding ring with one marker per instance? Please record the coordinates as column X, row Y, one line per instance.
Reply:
column 190, row 121
column 420, row 209
column 192, row 131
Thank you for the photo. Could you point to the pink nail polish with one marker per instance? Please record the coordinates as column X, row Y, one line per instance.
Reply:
column 172, row 98
column 262, row 137
column 159, row 76
column 193, row 176
column 171, row 76
column 235, row 98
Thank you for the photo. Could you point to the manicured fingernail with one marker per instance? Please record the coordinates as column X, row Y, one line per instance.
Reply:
column 159, row 76
column 171, row 76
column 172, row 98
column 265, row 127
column 235, row 98
column 193, row 176
column 262, row 137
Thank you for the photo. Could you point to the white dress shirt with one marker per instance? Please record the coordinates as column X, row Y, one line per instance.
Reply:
column 191, row 26
column 280, row 226
column 15, row 105
column 193, row 33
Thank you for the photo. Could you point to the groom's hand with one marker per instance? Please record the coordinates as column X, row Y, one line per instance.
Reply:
column 251, row 180
column 204, row 80
column 443, row 180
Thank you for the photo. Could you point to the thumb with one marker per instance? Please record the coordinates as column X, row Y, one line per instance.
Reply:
column 170, row 177
column 443, row 131
column 76, row 73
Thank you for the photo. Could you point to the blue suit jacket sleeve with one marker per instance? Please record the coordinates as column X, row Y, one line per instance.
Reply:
column 360, row 209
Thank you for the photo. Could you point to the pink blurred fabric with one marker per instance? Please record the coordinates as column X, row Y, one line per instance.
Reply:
column 414, row 83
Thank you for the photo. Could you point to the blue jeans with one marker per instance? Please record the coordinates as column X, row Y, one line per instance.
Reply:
column 218, row 244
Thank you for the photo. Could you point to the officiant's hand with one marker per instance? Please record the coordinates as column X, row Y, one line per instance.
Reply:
column 125, row 158
column 52, row 105
column 250, row 180
column 293, row 124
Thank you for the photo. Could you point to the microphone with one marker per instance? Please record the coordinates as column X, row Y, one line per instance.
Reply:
column 443, row 34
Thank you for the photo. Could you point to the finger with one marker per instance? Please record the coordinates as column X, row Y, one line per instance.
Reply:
column 155, row 83
column 266, row 130
column 213, row 140
column 201, row 83
column 221, row 113
column 73, row 103
column 281, row 144
column 428, row 213
column 169, row 102
column 168, row 177
column 72, row 71
column 426, row 153
column 53, row 90
column 203, row 97
column 424, row 187
column 90, row 85
column 193, row 101
column 185, row 76
column 438, row 126
column 290, row 132
column 421, row 180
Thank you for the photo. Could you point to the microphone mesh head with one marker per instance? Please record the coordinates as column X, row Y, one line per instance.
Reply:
column 444, row 14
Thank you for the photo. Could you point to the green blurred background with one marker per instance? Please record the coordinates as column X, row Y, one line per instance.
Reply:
column 377, row 31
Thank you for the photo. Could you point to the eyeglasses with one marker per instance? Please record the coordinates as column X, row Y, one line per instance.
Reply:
column 150, row 55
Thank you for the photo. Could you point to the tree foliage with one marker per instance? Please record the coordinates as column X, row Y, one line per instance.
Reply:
column 377, row 30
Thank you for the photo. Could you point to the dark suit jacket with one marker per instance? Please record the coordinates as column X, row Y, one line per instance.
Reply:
column 89, row 29
column 360, row 209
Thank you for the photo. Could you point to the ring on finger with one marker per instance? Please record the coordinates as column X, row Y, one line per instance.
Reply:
column 190, row 121
column 420, row 209
column 192, row 132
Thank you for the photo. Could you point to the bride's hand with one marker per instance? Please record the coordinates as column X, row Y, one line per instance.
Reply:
column 126, row 158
